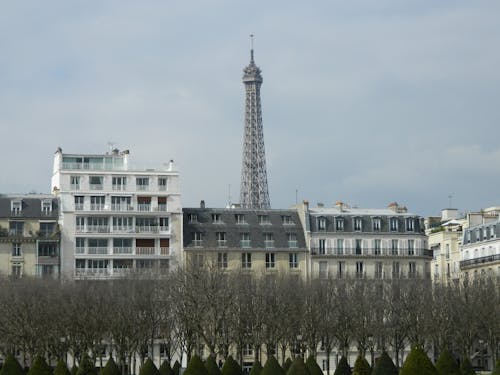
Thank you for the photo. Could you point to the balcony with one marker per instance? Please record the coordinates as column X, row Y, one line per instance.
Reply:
column 78, row 206
column 245, row 243
column 97, row 229
column 197, row 243
column 145, row 251
column 221, row 243
column 123, row 229
column 92, row 272
column 96, row 186
column 121, row 207
column 117, row 250
column 119, row 187
column 146, row 229
column 479, row 261
column 49, row 260
column 74, row 186
column 293, row 244
column 97, row 207
column 269, row 244
column 97, row 250
column 142, row 187
column 164, row 251
column 144, row 207
column 161, row 208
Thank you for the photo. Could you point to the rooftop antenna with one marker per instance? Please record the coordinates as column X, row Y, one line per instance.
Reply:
column 296, row 196
column 229, row 195
column 449, row 200
column 111, row 146
column 251, row 48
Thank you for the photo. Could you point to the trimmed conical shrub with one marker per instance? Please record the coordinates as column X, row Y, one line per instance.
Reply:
column 86, row 367
column 313, row 366
column 361, row 366
column 466, row 367
column 418, row 363
column 211, row 366
column 446, row 365
column 231, row 367
column 272, row 367
column 195, row 367
column 111, row 368
column 165, row 368
column 39, row 367
column 343, row 367
column 287, row 364
column 176, row 368
column 74, row 370
column 11, row 366
column 61, row 368
column 298, row 367
column 384, row 366
column 496, row 371
column 149, row 368
column 256, row 368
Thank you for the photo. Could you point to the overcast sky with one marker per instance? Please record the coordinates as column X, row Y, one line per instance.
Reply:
column 366, row 102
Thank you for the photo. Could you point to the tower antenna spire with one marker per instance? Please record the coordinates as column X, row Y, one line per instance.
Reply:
column 251, row 48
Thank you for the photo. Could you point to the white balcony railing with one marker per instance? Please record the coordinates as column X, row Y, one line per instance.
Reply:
column 92, row 272
column 97, row 229
column 142, row 187
column 145, row 251
column 122, row 250
column 119, row 187
column 144, row 207
column 245, row 243
column 98, row 250
column 164, row 251
column 161, row 208
column 79, row 250
column 123, row 229
column 96, row 186
column 269, row 244
column 75, row 186
column 121, row 207
column 292, row 244
column 97, row 207
column 78, row 206
column 146, row 229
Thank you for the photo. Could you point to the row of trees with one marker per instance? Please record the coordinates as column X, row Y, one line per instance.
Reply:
column 225, row 313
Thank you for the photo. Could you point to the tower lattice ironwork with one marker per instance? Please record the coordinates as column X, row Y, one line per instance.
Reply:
column 254, row 192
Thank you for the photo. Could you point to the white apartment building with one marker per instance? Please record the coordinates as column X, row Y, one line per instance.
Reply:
column 348, row 242
column 115, row 219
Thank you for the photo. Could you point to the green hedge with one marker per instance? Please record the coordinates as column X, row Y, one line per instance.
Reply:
column 496, row 371
column 417, row 363
column 287, row 364
column 446, row 365
column 361, row 366
column 111, row 368
column 272, row 367
column 165, row 368
column 211, row 366
column 195, row 367
column 313, row 366
column 149, row 368
column 466, row 367
column 39, row 367
column 86, row 367
column 176, row 368
column 11, row 366
column 343, row 367
column 256, row 368
column 385, row 366
column 298, row 367
column 231, row 367
column 61, row 368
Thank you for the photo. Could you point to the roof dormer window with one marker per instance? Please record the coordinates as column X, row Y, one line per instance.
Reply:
column 358, row 224
column 321, row 223
column 46, row 207
column 16, row 207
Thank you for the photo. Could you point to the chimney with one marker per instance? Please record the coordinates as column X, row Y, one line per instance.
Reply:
column 171, row 165
column 340, row 205
column 320, row 205
column 202, row 204
column 305, row 204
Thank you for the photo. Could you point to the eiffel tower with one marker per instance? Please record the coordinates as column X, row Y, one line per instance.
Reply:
column 254, row 192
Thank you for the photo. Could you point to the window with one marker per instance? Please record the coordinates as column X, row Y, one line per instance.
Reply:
column 216, row 219
column 192, row 218
column 286, row 220
column 222, row 260
column 163, row 223
column 47, row 250
column 358, row 224
column 16, row 249
column 96, row 182
column 323, row 270
column 378, row 270
column 468, row 236
column 394, row 224
column 142, row 183
column 119, row 183
column 264, row 220
column 162, row 183
column 221, row 239
column 47, row 229
column 340, row 246
column 16, row 228
column 270, row 260
column 339, row 223
column 245, row 240
column 80, row 245
column 240, row 219
column 268, row 240
column 395, row 270
column 197, row 239
column 121, row 203
column 292, row 240
column 341, row 269
column 97, row 203
column 17, row 270
column 74, row 182
column 247, row 350
column 411, row 247
column 359, row 270
column 145, row 264
column 410, row 224
column 377, row 246
column 293, row 260
column 46, row 207
column 359, row 246
column 246, row 260
column 16, row 207
column 447, row 251
column 377, row 224
column 394, row 247
column 322, row 246
column 321, row 223
column 412, row 269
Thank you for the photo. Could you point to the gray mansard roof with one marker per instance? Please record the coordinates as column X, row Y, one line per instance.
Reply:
column 367, row 217
column 256, row 231
column 31, row 207
column 481, row 233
